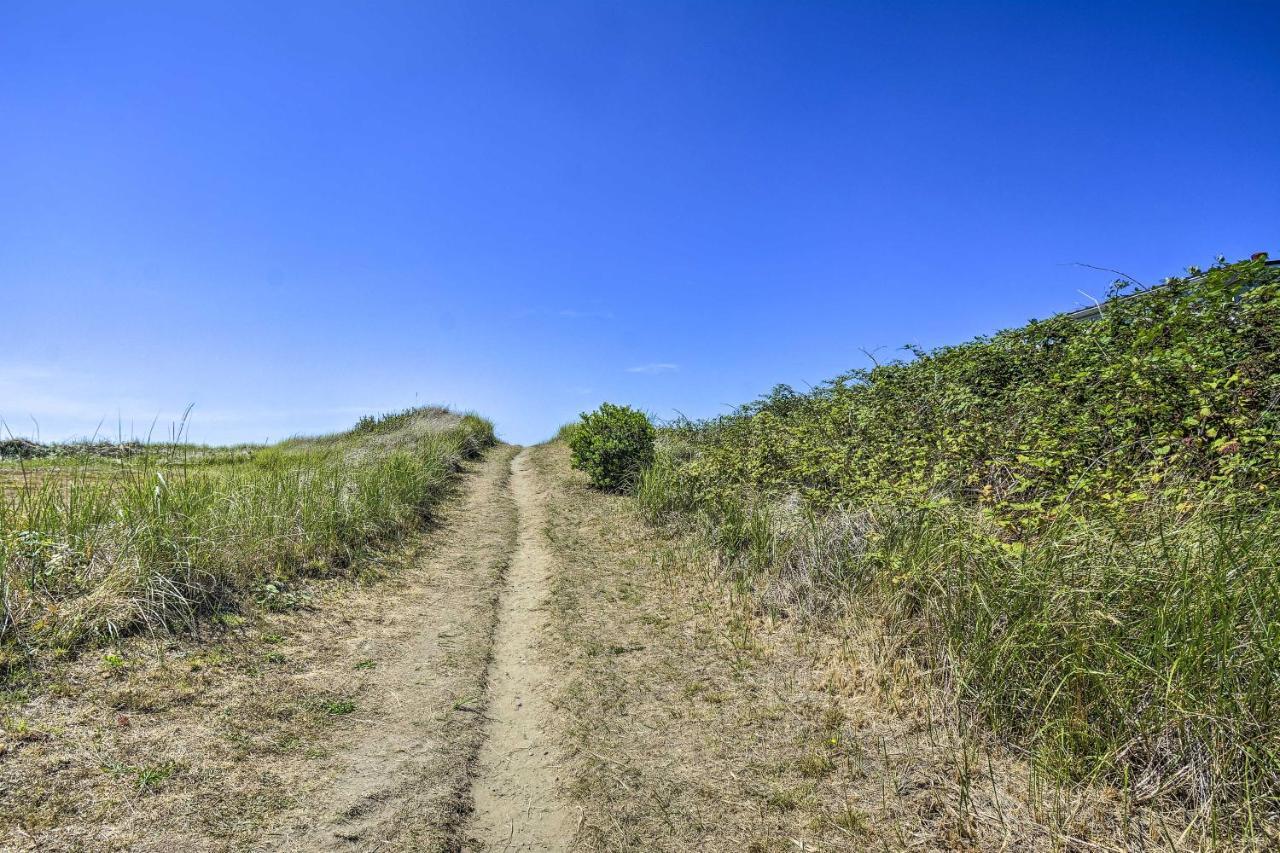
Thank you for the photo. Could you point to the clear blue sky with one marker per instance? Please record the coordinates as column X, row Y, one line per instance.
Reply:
column 292, row 213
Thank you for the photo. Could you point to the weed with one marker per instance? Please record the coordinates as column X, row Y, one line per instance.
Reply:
column 466, row 703
column 146, row 776
column 338, row 707
column 278, row 596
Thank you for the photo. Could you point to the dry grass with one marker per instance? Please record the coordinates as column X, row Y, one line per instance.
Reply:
column 700, row 719
column 16, row 478
column 155, row 743
column 244, row 736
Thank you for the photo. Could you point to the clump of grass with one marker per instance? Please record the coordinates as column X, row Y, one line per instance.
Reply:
column 566, row 431
column 815, row 764
column 338, row 707
column 852, row 820
column 148, row 777
column 160, row 543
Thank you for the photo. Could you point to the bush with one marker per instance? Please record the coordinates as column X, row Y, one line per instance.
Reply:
column 613, row 445
column 1165, row 398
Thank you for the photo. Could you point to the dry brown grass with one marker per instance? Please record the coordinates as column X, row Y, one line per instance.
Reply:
column 251, row 735
column 696, row 721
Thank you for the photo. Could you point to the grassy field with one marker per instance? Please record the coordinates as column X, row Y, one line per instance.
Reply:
column 1071, row 523
column 96, row 545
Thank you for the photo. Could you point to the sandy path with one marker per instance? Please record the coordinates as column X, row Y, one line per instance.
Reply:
column 404, row 783
column 462, row 723
column 516, row 791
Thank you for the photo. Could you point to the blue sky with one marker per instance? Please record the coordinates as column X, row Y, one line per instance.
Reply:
column 288, row 214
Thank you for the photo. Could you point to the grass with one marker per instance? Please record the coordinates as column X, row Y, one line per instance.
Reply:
column 338, row 707
column 1147, row 656
column 1124, row 634
column 253, row 717
column 147, row 776
column 772, row 734
column 158, row 540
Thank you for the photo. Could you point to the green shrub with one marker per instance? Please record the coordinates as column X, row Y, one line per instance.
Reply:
column 1168, row 396
column 613, row 445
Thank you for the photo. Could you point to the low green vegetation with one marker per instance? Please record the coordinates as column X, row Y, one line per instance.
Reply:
column 612, row 445
column 105, row 547
column 1074, row 522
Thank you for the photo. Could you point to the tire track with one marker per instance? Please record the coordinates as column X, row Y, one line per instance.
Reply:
column 518, row 805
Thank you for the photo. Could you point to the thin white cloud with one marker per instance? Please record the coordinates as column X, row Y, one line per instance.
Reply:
column 657, row 367
column 577, row 314
column 589, row 314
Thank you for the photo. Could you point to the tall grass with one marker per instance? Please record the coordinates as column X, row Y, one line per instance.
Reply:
column 157, row 542
column 1075, row 523
column 1151, row 661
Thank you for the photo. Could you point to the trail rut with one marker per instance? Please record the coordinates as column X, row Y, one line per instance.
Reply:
column 404, row 783
column 517, row 800
column 458, row 750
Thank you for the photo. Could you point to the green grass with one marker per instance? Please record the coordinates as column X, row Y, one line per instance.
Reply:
column 99, row 549
column 147, row 777
column 1148, row 659
column 338, row 707
column 1084, row 546
column 566, row 431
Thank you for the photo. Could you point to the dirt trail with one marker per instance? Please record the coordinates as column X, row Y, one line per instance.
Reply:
column 462, row 716
column 404, row 783
column 516, row 792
